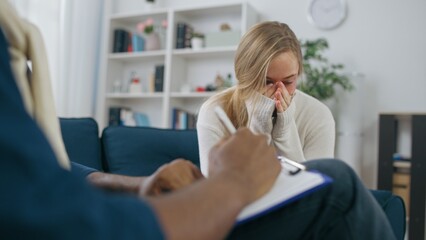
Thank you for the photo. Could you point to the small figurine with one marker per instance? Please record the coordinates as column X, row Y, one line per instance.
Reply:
column 219, row 82
column 228, row 81
column 225, row 27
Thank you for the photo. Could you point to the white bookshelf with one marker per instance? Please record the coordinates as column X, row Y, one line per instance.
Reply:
column 183, row 67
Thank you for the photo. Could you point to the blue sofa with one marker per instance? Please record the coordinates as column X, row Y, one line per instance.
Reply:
column 139, row 151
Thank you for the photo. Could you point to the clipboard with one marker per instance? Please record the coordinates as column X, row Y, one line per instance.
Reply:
column 287, row 188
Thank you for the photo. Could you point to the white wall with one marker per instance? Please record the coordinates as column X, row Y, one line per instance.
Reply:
column 383, row 39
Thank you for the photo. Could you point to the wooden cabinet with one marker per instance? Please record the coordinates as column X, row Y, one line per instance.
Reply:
column 415, row 192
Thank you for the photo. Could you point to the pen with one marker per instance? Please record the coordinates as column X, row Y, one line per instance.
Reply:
column 299, row 167
column 231, row 129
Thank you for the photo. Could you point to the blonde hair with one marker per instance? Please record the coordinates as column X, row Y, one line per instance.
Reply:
column 262, row 43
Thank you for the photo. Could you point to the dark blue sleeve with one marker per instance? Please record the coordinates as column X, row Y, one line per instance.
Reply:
column 39, row 200
column 81, row 170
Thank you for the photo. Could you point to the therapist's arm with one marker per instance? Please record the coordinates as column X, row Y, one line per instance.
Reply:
column 169, row 177
column 114, row 182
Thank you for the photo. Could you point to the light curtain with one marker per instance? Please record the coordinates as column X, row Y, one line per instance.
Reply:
column 72, row 33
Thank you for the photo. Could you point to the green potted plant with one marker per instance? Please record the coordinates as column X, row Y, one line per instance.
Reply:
column 197, row 40
column 321, row 78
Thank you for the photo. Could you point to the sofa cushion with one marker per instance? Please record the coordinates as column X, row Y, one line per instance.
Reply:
column 139, row 151
column 81, row 139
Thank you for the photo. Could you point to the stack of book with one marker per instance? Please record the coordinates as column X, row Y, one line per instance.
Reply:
column 183, row 35
column 122, row 116
column 182, row 119
column 125, row 41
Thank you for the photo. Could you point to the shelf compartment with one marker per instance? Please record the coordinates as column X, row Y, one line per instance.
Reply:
column 134, row 95
column 158, row 55
column 212, row 9
column 185, row 69
column 192, row 94
column 402, row 164
column 189, row 53
column 132, row 18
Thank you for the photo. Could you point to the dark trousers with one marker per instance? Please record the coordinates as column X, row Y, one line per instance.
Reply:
column 343, row 210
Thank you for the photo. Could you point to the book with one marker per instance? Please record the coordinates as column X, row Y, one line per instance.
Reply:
column 286, row 189
column 180, row 35
column 142, row 120
column 151, row 82
column 192, row 121
column 128, row 42
column 114, row 116
column 137, row 43
column 159, row 78
column 119, row 43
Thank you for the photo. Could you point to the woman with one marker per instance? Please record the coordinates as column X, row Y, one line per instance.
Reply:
column 268, row 64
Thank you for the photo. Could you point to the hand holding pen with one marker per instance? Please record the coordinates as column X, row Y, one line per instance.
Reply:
column 246, row 159
column 295, row 166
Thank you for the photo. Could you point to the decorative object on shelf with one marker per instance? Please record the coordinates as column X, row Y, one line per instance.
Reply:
column 200, row 89
column 219, row 82
column 321, row 78
column 197, row 40
column 152, row 42
column 135, row 84
column 152, row 39
column 228, row 81
column 116, row 86
column 327, row 14
column 146, row 27
column 151, row 4
column 225, row 37
column 225, row 27
column 162, row 31
column 185, row 88
column 210, row 88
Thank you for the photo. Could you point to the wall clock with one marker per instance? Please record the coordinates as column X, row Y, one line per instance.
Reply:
column 327, row 14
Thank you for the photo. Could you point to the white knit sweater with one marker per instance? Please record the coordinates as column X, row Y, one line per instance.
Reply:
column 306, row 130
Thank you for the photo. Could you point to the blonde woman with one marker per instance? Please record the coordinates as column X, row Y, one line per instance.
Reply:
column 268, row 65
